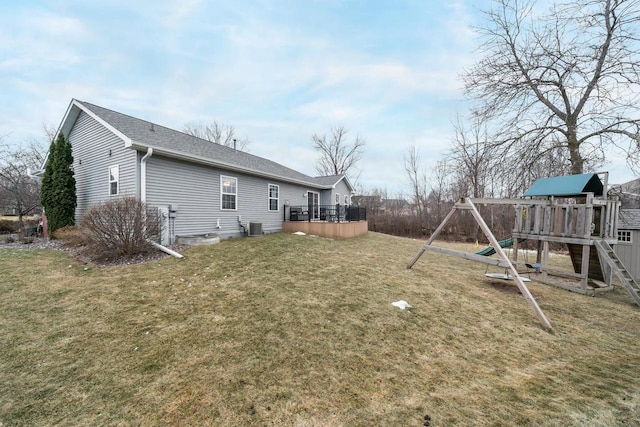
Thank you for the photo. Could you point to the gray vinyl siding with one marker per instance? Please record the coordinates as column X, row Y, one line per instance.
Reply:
column 341, row 189
column 195, row 189
column 328, row 197
column 629, row 254
column 95, row 149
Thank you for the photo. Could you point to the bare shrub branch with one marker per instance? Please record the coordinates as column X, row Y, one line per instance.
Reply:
column 121, row 227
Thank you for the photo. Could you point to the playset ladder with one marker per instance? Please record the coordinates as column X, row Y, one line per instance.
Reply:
column 611, row 259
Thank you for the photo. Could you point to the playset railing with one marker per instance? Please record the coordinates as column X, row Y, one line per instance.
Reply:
column 583, row 218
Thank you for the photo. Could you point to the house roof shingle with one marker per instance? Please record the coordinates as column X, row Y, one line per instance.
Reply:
column 168, row 141
column 629, row 219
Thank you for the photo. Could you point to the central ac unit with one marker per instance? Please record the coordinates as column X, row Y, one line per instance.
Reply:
column 255, row 229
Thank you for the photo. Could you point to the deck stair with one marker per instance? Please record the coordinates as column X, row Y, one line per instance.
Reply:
column 611, row 259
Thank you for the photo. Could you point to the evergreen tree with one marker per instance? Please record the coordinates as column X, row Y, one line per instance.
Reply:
column 58, row 194
column 46, row 191
column 66, row 183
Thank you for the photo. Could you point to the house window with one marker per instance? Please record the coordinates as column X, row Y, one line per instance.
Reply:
column 228, row 192
column 337, row 199
column 274, row 192
column 346, row 199
column 114, row 180
column 624, row 236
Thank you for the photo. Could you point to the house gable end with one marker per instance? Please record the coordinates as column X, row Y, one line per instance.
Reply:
column 127, row 141
column 97, row 154
column 68, row 122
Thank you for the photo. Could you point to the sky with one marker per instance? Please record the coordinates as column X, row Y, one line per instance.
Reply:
column 278, row 71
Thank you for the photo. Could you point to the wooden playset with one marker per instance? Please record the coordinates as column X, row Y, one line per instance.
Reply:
column 573, row 210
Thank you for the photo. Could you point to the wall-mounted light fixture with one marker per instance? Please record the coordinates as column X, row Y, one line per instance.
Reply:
column 109, row 152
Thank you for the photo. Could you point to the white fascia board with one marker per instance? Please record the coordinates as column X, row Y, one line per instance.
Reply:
column 67, row 116
column 346, row 180
column 338, row 182
column 123, row 137
column 227, row 166
column 71, row 115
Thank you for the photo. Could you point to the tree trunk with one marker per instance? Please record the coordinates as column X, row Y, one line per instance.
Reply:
column 577, row 162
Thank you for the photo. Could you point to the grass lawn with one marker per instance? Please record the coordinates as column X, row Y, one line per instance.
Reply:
column 300, row 330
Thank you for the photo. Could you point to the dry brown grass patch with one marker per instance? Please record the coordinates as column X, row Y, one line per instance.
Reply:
column 297, row 330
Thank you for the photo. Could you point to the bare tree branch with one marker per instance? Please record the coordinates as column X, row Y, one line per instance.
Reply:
column 19, row 192
column 217, row 133
column 337, row 155
column 568, row 78
column 417, row 178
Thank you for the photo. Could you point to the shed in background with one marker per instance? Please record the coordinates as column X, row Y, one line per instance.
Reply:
column 628, row 246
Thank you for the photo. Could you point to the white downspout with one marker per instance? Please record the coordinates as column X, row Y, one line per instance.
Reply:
column 143, row 175
column 166, row 250
column 143, row 198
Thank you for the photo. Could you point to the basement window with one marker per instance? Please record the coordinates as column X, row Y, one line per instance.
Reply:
column 114, row 180
column 228, row 192
column 274, row 194
column 624, row 236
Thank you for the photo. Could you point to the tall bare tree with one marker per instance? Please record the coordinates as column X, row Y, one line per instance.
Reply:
column 417, row 179
column 568, row 79
column 471, row 153
column 440, row 193
column 217, row 133
column 338, row 155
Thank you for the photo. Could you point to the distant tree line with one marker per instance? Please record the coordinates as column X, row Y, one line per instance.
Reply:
column 554, row 93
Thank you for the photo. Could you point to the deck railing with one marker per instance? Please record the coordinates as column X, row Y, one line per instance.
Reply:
column 327, row 213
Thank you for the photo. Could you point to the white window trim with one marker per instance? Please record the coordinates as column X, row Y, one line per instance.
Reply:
column 222, row 179
column 346, row 200
column 627, row 232
column 269, row 198
column 117, row 180
column 337, row 199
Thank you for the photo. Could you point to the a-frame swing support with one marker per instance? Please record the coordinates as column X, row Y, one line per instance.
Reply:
column 502, row 260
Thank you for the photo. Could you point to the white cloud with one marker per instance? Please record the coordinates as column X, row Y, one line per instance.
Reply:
column 61, row 27
column 183, row 10
column 335, row 110
column 459, row 24
column 279, row 73
column 43, row 41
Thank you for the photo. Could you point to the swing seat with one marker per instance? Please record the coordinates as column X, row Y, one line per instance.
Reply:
column 505, row 276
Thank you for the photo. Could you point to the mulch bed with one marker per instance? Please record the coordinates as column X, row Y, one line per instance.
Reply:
column 86, row 257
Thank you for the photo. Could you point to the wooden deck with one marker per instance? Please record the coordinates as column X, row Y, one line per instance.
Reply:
column 334, row 230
